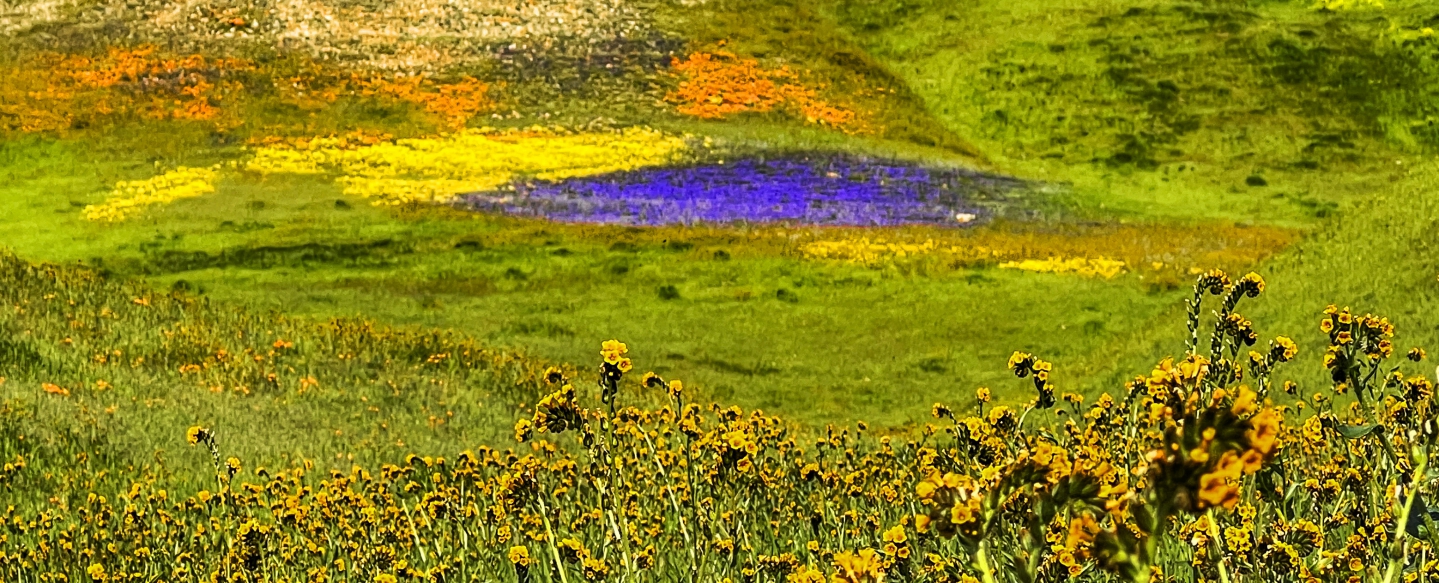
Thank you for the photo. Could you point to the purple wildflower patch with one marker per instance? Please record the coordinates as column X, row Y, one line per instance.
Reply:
column 810, row 191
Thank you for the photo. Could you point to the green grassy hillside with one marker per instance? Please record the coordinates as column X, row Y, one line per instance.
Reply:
column 1271, row 112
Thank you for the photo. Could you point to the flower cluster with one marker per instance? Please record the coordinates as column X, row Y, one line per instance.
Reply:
column 1356, row 343
column 867, row 251
column 721, row 84
column 836, row 190
column 129, row 198
column 1158, row 255
column 1097, row 267
column 1346, row 5
column 453, row 103
column 53, row 92
column 1024, row 364
column 404, row 171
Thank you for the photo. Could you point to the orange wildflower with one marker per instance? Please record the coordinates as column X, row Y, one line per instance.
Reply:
column 721, row 84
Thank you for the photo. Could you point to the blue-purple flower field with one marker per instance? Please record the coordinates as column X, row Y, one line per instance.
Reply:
column 824, row 190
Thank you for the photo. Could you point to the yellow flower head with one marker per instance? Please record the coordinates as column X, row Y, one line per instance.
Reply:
column 895, row 535
column 519, row 556
column 736, row 440
column 1252, row 284
column 1244, row 402
column 805, row 575
column 523, row 430
column 1263, row 433
column 1020, row 361
column 1285, row 348
column 595, row 569
column 613, row 351
column 865, row 566
column 1220, row 486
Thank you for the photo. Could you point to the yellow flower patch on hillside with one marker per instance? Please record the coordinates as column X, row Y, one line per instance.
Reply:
column 1345, row 5
column 1092, row 251
column 1106, row 268
column 437, row 169
column 863, row 250
column 130, row 197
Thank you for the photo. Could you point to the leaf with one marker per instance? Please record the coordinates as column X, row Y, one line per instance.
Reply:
column 1356, row 431
column 1415, row 520
column 1416, row 515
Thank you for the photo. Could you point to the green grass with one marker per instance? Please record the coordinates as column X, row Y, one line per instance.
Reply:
column 757, row 332
column 1166, row 109
column 1376, row 258
column 380, row 392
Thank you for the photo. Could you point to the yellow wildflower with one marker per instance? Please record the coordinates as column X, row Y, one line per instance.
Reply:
column 128, row 198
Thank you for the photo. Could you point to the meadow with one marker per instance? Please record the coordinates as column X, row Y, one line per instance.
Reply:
column 289, row 298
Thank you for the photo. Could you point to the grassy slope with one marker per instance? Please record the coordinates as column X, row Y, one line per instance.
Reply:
column 1165, row 108
column 1152, row 107
column 373, row 394
column 879, row 344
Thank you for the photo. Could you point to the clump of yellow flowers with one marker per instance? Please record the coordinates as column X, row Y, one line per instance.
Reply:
column 1343, row 5
column 867, row 251
column 422, row 170
column 1098, row 267
column 130, row 197
column 1170, row 252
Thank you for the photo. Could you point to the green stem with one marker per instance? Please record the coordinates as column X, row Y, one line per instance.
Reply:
column 684, row 530
column 550, row 539
column 1400, row 549
column 1218, row 546
column 982, row 558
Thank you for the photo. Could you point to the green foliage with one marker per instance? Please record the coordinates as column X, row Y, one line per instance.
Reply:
column 129, row 363
column 1167, row 107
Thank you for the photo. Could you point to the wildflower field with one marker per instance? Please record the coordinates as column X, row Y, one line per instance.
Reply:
column 709, row 291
